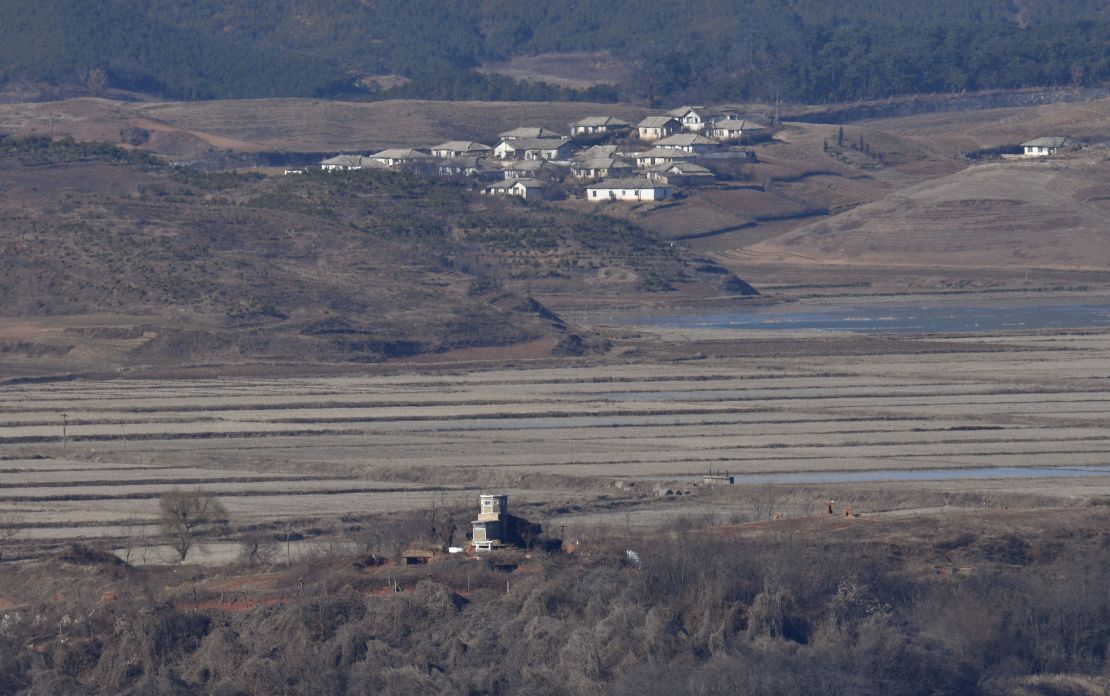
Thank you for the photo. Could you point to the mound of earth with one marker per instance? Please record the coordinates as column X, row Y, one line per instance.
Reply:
column 1044, row 214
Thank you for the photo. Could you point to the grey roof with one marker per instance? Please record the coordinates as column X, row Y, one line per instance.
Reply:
column 535, row 143
column 737, row 124
column 683, row 110
column 637, row 183
column 527, row 165
column 610, row 121
column 530, row 132
column 344, row 161
column 510, row 183
column 665, row 153
column 462, row 146
column 689, row 169
column 606, row 163
column 656, row 121
column 684, row 140
column 1048, row 141
column 400, row 153
column 596, row 152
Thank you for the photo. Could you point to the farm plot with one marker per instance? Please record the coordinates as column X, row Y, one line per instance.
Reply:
column 329, row 447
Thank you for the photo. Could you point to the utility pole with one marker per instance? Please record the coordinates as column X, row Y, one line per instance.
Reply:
column 65, row 431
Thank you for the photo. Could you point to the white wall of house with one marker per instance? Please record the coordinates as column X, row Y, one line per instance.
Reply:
column 658, row 193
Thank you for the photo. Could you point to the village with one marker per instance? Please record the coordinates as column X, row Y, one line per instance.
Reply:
column 603, row 159
column 606, row 159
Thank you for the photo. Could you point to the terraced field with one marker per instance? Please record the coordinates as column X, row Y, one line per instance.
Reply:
column 327, row 447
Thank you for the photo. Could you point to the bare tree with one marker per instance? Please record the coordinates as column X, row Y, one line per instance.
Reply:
column 184, row 513
column 257, row 547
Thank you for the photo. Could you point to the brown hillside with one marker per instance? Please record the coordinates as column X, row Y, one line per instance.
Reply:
column 1046, row 214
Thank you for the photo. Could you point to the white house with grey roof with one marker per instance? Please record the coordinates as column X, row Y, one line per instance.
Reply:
column 1043, row 147
column 733, row 129
column 689, row 142
column 600, row 168
column 692, row 118
column 459, row 148
column 528, row 189
column 657, row 127
column 629, row 190
column 594, row 125
column 661, row 155
column 398, row 157
column 534, row 148
column 348, row 163
column 529, row 133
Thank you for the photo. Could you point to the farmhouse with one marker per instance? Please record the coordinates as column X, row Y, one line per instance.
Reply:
column 526, row 169
column 528, row 189
column 593, row 125
column 459, row 148
column 629, row 190
column 1043, row 147
column 476, row 167
column 534, row 148
column 346, row 163
column 692, row 118
column 657, row 127
column 689, row 142
column 733, row 129
column 661, row 155
column 600, row 168
column 528, row 133
column 399, row 157
column 681, row 174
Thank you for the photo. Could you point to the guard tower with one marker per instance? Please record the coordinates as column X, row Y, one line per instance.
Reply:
column 488, row 531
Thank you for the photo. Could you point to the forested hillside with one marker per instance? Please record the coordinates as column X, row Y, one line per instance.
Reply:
column 714, row 50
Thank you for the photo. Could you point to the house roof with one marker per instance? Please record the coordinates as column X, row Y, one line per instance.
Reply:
column 611, row 121
column 688, row 169
column 530, row 132
column 595, row 153
column 664, row 153
column 684, row 140
column 683, row 110
column 535, row 143
column 603, row 163
column 527, row 165
column 656, row 121
column 1048, row 141
column 737, row 124
column 505, row 184
column 344, row 161
column 462, row 146
column 400, row 153
column 637, row 183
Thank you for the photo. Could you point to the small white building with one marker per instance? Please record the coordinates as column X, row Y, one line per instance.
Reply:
column 534, row 148
column 594, row 125
column 400, row 156
column 689, row 142
column 629, row 190
column 600, row 168
column 459, row 148
column 348, row 163
column 528, row 189
column 681, row 174
column 657, row 127
column 661, row 155
column 692, row 118
column 1043, row 147
column 530, row 133
column 733, row 129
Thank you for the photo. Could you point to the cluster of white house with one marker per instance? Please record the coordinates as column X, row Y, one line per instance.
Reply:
column 625, row 162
